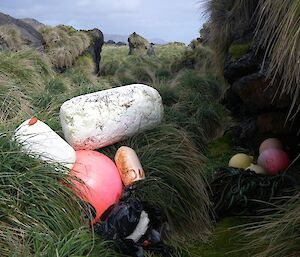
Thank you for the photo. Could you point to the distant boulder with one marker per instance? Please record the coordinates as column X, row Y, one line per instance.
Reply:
column 121, row 44
column 139, row 45
column 110, row 42
column 29, row 35
column 96, row 47
column 176, row 43
column 34, row 23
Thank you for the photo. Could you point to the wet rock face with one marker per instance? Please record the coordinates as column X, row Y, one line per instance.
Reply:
column 253, row 100
column 30, row 36
column 96, row 47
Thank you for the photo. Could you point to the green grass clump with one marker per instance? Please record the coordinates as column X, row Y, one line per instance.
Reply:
column 39, row 216
column 193, row 106
column 200, row 58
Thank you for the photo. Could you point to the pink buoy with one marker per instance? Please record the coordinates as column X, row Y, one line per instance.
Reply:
column 270, row 143
column 102, row 185
column 273, row 160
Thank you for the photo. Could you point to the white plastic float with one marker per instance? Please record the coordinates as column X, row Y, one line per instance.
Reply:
column 99, row 119
column 39, row 140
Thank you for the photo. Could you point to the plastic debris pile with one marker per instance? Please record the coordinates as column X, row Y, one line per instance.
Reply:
column 90, row 122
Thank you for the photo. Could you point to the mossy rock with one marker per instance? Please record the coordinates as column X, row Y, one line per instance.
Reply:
column 236, row 51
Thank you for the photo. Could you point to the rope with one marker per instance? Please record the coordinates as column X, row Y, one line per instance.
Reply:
column 243, row 192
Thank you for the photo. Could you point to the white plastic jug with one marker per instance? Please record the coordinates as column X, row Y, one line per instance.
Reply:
column 99, row 119
column 39, row 140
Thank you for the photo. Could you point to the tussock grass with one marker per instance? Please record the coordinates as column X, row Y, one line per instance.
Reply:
column 278, row 233
column 22, row 76
column 278, row 32
column 174, row 179
column 225, row 16
column 193, row 105
column 64, row 45
column 10, row 38
column 139, row 69
column 201, row 59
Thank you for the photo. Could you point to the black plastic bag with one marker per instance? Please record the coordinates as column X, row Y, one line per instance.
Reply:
column 134, row 226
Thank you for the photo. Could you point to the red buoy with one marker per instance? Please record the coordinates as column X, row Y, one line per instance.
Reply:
column 102, row 185
column 273, row 160
column 270, row 143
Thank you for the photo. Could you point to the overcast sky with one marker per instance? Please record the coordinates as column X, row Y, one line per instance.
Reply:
column 171, row 20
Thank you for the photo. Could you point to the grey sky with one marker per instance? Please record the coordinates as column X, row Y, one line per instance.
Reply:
column 171, row 20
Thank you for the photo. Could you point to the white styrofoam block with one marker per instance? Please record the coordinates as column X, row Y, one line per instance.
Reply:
column 39, row 140
column 99, row 119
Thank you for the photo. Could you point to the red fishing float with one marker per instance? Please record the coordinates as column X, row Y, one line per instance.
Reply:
column 102, row 185
column 273, row 160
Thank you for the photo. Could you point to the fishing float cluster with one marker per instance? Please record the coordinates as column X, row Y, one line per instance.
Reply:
column 272, row 159
column 90, row 122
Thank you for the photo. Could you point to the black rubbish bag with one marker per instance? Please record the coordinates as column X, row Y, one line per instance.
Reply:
column 134, row 226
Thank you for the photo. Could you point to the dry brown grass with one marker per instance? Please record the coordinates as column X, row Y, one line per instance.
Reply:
column 10, row 38
column 64, row 46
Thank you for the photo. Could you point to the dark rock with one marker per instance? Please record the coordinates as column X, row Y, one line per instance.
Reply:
column 253, row 97
column 139, row 45
column 29, row 35
column 96, row 47
column 256, row 94
column 247, row 64
column 111, row 42
column 272, row 123
column 121, row 44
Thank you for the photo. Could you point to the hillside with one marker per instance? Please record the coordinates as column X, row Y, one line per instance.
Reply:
column 216, row 173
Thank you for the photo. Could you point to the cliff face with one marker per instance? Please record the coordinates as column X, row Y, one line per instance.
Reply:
column 253, row 97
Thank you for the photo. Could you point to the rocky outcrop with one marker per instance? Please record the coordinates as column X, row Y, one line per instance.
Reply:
column 253, row 98
column 29, row 35
column 34, row 23
column 96, row 47
column 139, row 45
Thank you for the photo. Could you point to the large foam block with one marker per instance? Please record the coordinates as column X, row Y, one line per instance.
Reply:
column 99, row 119
column 39, row 140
